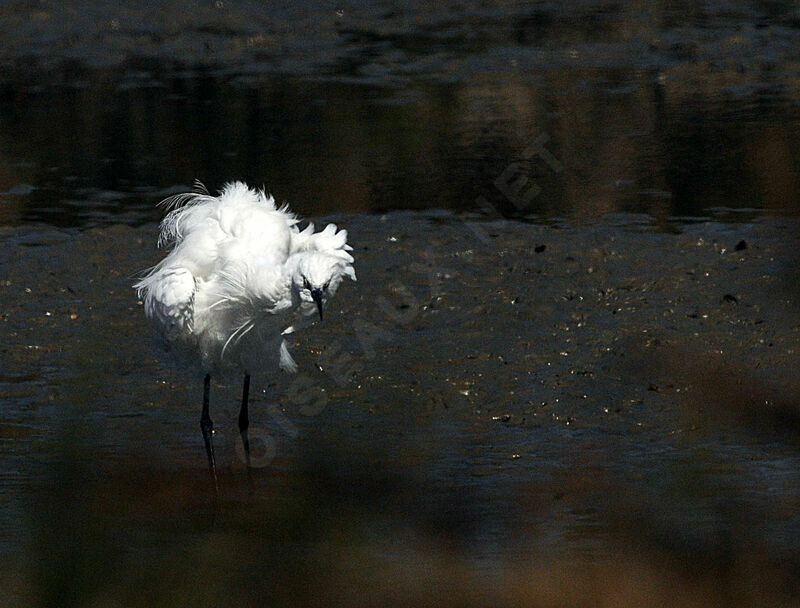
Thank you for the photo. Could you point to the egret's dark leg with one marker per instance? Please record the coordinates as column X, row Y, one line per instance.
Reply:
column 244, row 420
column 207, row 426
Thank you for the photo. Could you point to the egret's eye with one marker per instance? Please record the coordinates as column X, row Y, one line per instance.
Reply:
column 325, row 287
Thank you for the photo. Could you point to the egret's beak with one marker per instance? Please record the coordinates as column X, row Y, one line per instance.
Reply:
column 316, row 295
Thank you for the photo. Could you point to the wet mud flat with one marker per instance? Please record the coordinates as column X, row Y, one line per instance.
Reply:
column 488, row 397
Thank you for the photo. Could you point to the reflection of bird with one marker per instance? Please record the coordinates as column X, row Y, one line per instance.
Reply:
column 240, row 275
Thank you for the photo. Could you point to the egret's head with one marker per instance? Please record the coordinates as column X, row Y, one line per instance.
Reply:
column 318, row 276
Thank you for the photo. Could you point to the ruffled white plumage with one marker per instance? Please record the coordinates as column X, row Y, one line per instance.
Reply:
column 232, row 279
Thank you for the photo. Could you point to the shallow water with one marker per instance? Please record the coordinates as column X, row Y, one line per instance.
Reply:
column 593, row 397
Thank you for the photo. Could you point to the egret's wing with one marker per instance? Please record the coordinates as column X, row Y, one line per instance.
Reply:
column 168, row 296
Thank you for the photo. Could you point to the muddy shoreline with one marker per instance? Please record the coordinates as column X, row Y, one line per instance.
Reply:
column 508, row 391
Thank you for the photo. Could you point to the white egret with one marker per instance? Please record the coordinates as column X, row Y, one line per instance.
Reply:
column 239, row 276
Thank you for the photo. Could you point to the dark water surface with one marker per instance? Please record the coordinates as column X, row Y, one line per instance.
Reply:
column 592, row 400
column 661, row 108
